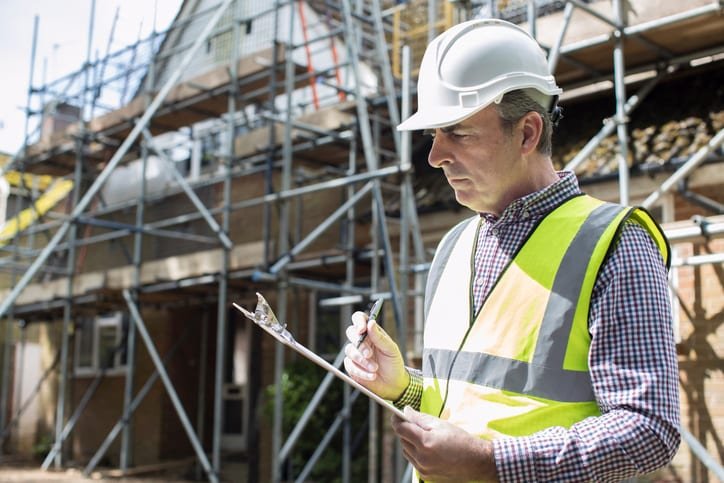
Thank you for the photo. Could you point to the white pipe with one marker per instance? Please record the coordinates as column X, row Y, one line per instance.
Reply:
column 4, row 195
column 708, row 227
column 707, row 259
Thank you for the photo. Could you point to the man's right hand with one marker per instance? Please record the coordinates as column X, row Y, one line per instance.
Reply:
column 377, row 363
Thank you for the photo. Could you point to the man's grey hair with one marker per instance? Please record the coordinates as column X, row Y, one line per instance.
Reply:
column 518, row 103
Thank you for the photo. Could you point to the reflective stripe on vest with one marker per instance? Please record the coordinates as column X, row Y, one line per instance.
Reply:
column 520, row 364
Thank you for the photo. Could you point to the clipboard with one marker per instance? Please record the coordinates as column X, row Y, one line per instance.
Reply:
column 264, row 317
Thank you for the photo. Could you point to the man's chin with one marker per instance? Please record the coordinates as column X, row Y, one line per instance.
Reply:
column 465, row 199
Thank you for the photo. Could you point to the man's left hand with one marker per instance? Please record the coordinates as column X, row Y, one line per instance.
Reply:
column 441, row 451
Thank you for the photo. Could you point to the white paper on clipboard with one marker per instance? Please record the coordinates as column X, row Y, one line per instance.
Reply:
column 264, row 317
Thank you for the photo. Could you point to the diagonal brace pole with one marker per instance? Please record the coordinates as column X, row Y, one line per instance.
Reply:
column 338, row 213
column 70, row 425
column 684, row 171
column 113, row 433
column 185, row 422
column 700, row 451
column 189, row 192
column 115, row 160
column 309, row 410
column 609, row 126
column 326, row 439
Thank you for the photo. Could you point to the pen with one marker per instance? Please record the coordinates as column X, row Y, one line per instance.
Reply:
column 374, row 313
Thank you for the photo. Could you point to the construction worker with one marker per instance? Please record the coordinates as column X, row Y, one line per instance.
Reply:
column 548, row 346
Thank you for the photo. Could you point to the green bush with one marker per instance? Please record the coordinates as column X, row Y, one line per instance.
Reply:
column 300, row 380
column 42, row 447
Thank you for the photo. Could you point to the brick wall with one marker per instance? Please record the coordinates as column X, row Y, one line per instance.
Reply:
column 183, row 327
column 701, row 348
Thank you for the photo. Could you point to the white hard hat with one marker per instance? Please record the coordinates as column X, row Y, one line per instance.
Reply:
column 473, row 64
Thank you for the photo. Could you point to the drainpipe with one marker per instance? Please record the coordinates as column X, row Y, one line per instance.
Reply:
column 4, row 194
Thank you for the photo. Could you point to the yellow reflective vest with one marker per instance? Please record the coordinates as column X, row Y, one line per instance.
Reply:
column 520, row 364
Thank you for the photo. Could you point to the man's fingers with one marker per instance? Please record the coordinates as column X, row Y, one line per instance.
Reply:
column 359, row 321
column 363, row 350
column 424, row 421
column 352, row 334
column 359, row 356
column 358, row 371
column 412, row 429
column 410, row 455
column 407, row 430
column 407, row 433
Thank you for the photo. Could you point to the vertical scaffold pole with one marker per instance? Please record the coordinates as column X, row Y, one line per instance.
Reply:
column 283, row 245
column 222, row 309
column 72, row 236
column 126, row 459
column 619, row 70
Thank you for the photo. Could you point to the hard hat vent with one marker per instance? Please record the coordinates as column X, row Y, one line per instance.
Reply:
column 469, row 99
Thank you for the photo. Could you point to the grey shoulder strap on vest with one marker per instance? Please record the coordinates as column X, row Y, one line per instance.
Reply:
column 440, row 260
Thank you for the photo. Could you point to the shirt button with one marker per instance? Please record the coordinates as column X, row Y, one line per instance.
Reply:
column 494, row 231
column 525, row 215
column 479, row 281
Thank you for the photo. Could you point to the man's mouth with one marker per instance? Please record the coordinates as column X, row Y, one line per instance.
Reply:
column 454, row 181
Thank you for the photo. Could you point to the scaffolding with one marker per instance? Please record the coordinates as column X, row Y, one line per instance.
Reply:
column 280, row 121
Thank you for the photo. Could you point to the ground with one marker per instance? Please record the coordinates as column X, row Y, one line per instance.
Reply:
column 32, row 475
column 15, row 470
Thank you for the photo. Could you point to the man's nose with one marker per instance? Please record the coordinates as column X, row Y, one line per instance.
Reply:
column 438, row 154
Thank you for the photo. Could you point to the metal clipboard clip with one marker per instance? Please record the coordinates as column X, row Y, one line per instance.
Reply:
column 264, row 317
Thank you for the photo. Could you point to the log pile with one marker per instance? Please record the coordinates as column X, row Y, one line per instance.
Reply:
column 652, row 145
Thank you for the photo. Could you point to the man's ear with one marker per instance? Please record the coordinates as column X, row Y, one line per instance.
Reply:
column 532, row 128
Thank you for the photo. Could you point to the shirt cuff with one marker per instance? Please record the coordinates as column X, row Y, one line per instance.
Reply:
column 514, row 460
column 412, row 394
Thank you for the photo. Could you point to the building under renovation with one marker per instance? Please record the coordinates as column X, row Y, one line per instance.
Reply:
column 251, row 148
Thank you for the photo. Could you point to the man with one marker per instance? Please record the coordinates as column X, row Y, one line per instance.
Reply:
column 548, row 347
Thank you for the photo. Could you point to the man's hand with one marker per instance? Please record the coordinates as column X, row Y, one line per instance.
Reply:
column 377, row 363
column 441, row 451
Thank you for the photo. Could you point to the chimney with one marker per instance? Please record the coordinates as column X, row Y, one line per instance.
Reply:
column 57, row 116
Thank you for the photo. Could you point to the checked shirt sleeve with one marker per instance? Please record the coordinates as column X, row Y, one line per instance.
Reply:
column 634, row 372
column 413, row 392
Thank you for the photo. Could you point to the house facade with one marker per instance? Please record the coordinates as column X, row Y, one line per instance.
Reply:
column 273, row 167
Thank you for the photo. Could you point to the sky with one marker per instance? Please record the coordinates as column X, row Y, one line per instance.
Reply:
column 63, row 32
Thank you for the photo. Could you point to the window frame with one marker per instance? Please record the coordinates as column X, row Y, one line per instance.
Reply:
column 96, row 325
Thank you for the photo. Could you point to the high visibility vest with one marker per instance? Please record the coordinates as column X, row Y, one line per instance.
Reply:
column 520, row 364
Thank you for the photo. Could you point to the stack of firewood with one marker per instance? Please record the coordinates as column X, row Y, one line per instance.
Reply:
column 651, row 145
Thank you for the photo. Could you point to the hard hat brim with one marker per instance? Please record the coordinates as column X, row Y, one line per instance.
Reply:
column 441, row 116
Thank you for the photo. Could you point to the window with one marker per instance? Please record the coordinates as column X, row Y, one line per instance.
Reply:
column 235, row 389
column 100, row 343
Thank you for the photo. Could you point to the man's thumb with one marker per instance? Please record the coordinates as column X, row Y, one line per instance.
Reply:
column 381, row 338
column 421, row 419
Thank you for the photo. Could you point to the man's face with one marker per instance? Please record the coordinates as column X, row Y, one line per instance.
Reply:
column 481, row 161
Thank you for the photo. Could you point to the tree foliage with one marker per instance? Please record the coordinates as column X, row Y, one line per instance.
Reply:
column 300, row 380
